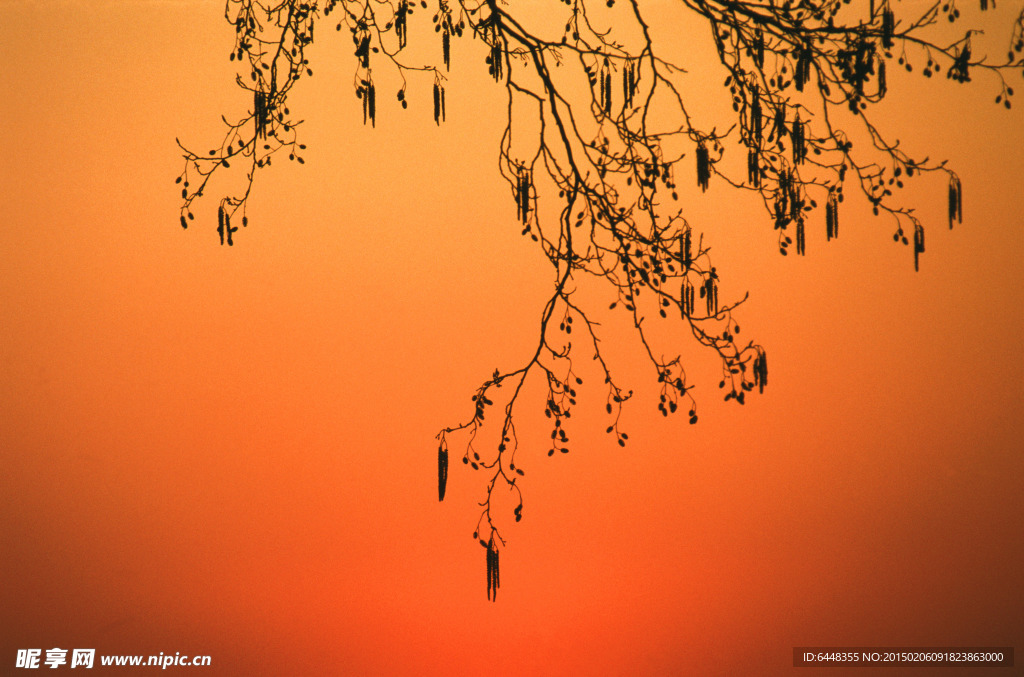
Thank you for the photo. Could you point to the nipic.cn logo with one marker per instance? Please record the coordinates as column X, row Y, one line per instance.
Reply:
column 32, row 659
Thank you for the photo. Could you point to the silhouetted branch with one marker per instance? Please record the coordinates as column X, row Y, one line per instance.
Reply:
column 614, row 137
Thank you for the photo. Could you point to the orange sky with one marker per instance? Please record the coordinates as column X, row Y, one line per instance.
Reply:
column 230, row 452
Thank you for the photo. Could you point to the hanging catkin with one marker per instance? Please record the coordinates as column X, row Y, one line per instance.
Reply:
column 686, row 298
column 493, row 578
column 686, row 247
column 761, row 369
column 918, row 244
column 711, row 295
column 442, row 471
column 888, row 26
column 438, row 103
column 796, row 136
column 756, row 121
column 401, row 24
column 608, row 93
column 956, row 207
column 832, row 215
column 703, row 166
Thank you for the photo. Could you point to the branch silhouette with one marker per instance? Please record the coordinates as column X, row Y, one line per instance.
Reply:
column 608, row 134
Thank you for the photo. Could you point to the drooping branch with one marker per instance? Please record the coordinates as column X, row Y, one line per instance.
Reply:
column 613, row 136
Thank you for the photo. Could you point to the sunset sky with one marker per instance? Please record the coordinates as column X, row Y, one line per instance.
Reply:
column 231, row 452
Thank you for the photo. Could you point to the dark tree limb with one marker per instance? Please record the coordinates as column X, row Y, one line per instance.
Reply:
column 615, row 135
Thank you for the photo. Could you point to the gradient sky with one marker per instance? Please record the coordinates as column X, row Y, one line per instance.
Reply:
column 230, row 452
